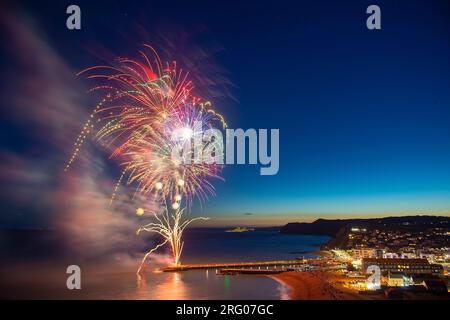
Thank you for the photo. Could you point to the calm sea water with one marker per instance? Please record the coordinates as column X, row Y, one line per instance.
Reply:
column 201, row 245
column 216, row 245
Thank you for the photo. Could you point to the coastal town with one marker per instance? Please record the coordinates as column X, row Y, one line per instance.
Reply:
column 376, row 259
column 377, row 262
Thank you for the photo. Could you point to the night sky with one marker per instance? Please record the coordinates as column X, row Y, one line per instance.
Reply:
column 364, row 116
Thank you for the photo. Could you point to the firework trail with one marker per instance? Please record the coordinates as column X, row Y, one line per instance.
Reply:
column 145, row 102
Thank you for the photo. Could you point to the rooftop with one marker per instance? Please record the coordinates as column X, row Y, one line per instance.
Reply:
column 395, row 260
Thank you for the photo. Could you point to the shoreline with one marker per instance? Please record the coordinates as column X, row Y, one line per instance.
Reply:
column 313, row 285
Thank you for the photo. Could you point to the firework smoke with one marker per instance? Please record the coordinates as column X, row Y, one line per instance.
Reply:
column 144, row 103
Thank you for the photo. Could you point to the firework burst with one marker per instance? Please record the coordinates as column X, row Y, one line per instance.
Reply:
column 145, row 102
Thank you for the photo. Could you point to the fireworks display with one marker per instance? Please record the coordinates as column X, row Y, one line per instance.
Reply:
column 145, row 102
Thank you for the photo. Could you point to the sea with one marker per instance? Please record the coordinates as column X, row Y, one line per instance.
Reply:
column 202, row 245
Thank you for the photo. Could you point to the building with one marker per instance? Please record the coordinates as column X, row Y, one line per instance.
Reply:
column 362, row 253
column 407, row 266
column 429, row 256
column 391, row 255
column 408, row 255
column 398, row 280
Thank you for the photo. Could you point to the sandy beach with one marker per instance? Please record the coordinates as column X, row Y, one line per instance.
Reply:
column 314, row 285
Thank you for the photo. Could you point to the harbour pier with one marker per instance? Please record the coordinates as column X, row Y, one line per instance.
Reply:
column 284, row 264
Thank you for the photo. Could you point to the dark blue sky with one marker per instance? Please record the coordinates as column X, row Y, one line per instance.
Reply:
column 364, row 116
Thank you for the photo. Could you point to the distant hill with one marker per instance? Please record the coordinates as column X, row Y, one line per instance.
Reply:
column 338, row 229
column 332, row 227
column 318, row 227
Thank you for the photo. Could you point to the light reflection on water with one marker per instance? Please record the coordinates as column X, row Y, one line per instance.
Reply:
column 116, row 281
column 50, row 283
column 171, row 288
column 204, row 284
